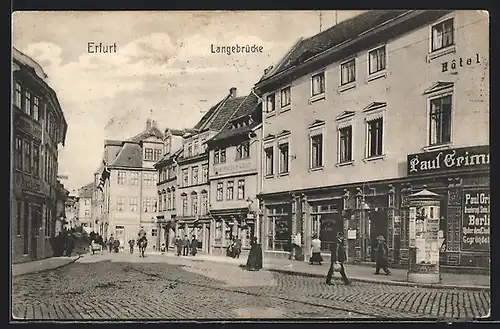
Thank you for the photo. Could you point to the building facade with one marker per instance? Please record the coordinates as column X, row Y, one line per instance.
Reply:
column 356, row 120
column 128, row 187
column 167, row 186
column 71, row 211
column 38, row 129
column 85, row 207
column 193, row 208
column 234, row 176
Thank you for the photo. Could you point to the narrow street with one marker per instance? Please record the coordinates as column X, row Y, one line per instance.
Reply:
column 128, row 287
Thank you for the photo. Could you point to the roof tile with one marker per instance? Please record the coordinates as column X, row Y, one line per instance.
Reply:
column 129, row 156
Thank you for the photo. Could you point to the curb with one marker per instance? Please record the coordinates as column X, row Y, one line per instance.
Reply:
column 47, row 269
column 386, row 282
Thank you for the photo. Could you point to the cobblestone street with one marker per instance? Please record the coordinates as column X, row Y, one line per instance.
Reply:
column 128, row 287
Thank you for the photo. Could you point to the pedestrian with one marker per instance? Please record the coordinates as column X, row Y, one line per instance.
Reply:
column 111, row 242
column 316, row 250
column 178, row 245
column 131, row 244
column 254, row 261
column 194, row 246
column 338, row 258
column 382, row 256
column 116, row 245
column 230, row 248
column 70, row 244
column 237, row 248
column 163, row 248
column 185, row 246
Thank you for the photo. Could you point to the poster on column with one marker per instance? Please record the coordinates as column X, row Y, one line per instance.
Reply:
column 476, row 220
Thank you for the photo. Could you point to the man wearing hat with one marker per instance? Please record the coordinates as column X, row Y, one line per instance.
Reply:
column 338, row 258
column 382, row 254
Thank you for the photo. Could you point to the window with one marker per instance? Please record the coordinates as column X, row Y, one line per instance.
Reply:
column 194, row 175
column 27, row 156
column 87, row 202
column 440, row 120
column 241, row 189
column 203, row 144
column 442, row 35
column 19, row 218
column 194, row 204
column 345, row 147
column 154, row 232
column 243, row 150
column 284, row 158
column 230, row 190
column 19, row 153
column 148, row 154
column 154, row 203
column 220, row 191
column 185, row 177
column 87, row 213
column 147, row 179
column 146, row 203
column 133, row 204
column 317, row 151
column 374, row 137
column 157, row 155
column 286, row 96
column 169, row 200
column 204, row 203
column 318, row 84
column 270, row 103
column 134, row 178
column 376, row 60
column 196, row 147
column 216, row 156
column 280, row 228
column 18, row 95
column 120, row 202
column 222, row 155
column 121, row 177
column 27, row 102
column 348, row 72
column 155, row 178
column 163, row 197
column 204, row 170
column 173, row 199
column 184, row 205
column 36, row 108
column 269, row 161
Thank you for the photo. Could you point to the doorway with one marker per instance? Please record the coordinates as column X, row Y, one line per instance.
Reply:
column 377, row 220
column 35, row 224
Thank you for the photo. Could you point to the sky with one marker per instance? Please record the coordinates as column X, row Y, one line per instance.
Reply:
column 163, row 68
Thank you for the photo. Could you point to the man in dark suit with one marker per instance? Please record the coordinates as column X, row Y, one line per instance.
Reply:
column 185, row 246
column 338, row 258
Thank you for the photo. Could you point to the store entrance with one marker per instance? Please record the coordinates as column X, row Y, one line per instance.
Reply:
column 378, row 227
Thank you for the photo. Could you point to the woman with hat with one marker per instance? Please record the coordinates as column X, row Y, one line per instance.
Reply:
column 316, row 250
column 382, row 254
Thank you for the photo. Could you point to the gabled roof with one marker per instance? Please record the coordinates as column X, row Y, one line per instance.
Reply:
column 129, row 156
column 210, row 113
column 153, row 131
column 340, row 33
column 250, row 104
column 86, row 191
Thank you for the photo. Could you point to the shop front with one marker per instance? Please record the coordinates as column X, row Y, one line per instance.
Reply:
column 198, row 227
column 231, row 224
column 461, row 178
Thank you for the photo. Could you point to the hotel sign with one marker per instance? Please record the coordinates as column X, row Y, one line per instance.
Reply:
column 466, row 158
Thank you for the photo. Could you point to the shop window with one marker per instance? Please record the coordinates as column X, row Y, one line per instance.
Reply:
column 279, row 228
column 218, row 232
column 326, row 222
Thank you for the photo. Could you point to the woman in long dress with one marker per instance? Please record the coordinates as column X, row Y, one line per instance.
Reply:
column 316, row 250
column 254, row 261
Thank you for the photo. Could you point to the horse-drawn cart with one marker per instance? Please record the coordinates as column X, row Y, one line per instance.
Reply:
column 95, row 247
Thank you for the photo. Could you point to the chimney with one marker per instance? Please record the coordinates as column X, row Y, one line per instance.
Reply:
column 148, row 124
column 233, row 92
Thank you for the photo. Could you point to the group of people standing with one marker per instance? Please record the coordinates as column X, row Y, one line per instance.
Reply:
column 234, row 248
column 186, row 247
column 64, row 243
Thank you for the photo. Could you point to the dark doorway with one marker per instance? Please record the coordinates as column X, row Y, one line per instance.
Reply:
column 378, row 227
column 26, row 228
column 330, row 225
column 35, row 225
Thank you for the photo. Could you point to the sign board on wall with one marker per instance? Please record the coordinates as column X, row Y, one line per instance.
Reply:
column 466, row 158
column 351, row 234
column 475, row 220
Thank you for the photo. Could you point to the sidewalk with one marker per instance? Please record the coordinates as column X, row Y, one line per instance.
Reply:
column 42, row 265
column 354, row 272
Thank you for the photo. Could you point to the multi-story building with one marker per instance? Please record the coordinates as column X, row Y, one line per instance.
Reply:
column 373, row 109
column 193, row 217
column 129, row 184
column 71, row 211
column 38, row 128
column 234, row 176
column 85, row 207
